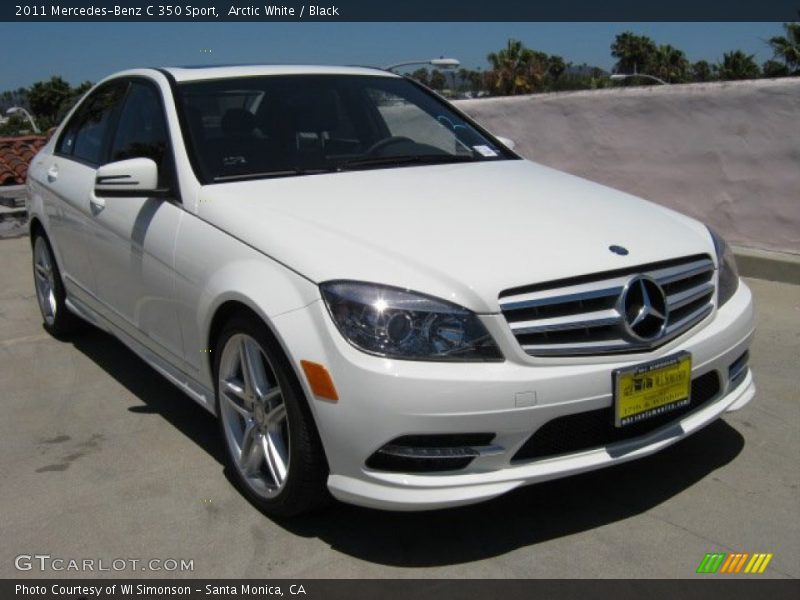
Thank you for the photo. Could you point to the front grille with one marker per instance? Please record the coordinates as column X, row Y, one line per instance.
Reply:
column 595, row 429
column 582, row 316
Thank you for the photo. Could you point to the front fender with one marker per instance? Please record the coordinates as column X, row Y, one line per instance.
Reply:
column 213, row 269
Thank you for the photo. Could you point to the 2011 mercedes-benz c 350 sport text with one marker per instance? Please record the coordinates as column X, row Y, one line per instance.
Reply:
column 378, row 298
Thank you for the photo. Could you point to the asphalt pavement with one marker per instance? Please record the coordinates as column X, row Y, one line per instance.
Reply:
column 102, row 459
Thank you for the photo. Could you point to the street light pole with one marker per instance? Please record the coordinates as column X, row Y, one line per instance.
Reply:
column 442, row 63
column 621, row 76
column 18, row 109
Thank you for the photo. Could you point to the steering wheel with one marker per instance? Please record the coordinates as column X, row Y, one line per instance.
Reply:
column 386, row 142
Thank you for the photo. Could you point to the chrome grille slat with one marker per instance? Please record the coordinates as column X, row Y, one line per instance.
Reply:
column 594, row 319
column 582, row 315
column 690, row 319
column 565, row 349
column 672, row 274
column 537, row 299
column 688, row 296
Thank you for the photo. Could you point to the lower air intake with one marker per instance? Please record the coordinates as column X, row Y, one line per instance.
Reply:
column 595, row 429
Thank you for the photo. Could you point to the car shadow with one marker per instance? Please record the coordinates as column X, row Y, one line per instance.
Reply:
column 157, row 394
column 522, row 518
column 526, row 516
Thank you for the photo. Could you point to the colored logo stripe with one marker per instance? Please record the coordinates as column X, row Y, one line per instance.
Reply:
column 758, row 563
column 711, row 562
column 721, row 562
column 734, row 563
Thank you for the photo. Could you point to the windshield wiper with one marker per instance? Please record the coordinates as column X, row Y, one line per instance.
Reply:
column 270, row 174
column 421, row 159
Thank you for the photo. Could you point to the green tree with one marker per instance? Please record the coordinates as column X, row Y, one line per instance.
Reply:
column 476, row 81
column 670, row 64
column 556, row 67
column 74, row 96
column 463, row 79
column 787, row 47
column 510, row 73
column 18, row 97
column 422, row 75
column 634, row 53
column 46, row 97
column 538, row 68
column 437, row 80
column 737, row 65
column 702, row 71
column 774, row 68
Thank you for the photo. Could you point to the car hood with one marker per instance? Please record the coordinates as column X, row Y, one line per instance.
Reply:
column 462, row 232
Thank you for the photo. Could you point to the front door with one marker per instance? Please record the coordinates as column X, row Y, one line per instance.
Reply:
column 133, row 239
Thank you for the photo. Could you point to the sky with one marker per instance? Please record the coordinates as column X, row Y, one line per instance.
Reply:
column 90, row 51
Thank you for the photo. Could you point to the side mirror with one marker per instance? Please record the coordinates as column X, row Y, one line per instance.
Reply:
column 134, row 177
column 507, row 142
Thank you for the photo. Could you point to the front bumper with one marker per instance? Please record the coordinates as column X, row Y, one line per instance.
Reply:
column 383, row 399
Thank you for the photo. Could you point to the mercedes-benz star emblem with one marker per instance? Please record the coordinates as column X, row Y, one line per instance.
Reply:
column 643, row 305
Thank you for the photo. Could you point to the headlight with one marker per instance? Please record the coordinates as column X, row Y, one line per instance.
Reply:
column 396, row 323
column 728, row 273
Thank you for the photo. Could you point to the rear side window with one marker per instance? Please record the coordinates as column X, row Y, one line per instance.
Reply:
column 85, row 135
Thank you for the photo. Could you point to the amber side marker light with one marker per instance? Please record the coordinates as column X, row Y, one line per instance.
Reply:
column 320, row 380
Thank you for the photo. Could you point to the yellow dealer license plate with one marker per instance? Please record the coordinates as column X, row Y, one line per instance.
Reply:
column 652, row 389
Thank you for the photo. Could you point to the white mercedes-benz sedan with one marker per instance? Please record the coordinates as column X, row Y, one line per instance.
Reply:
column 378, row 298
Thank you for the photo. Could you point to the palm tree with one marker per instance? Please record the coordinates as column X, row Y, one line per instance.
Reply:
column 774, row 68
column 702, row 71
column 437, row 81
column 787, row 47
column 422, row 75
column 737, row 65
column 634, row 53
column 556, row 66
column 670, row 64
column 510, row 68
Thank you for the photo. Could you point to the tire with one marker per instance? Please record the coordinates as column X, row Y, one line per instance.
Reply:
column 272, row 447
column 50, row 294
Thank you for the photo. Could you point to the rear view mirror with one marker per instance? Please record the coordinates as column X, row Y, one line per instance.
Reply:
column 134, row 177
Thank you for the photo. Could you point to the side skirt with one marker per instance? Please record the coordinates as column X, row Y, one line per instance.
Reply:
column 188, row 385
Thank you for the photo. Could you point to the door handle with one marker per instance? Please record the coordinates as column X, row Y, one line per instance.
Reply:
column 52, row 173
column 97, row 203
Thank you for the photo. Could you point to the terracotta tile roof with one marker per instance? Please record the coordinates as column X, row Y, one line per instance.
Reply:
column 15, row 154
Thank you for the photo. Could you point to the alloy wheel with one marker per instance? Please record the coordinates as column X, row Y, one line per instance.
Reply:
column 253, row 414
column 45, row 280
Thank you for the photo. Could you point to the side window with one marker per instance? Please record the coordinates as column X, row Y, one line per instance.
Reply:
column 141, row 131
column 85, row 134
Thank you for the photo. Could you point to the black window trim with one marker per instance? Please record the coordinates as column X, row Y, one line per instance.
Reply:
column 77, row 114
column 108, row 136
column 194, row 161
column 170, row 149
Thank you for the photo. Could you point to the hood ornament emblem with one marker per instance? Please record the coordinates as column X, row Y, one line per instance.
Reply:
column 643, row 305
column 621, row 250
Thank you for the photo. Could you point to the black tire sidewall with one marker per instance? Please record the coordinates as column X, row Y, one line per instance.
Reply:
column 64, row 322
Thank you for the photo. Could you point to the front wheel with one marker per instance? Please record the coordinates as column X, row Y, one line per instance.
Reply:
column 272, row 446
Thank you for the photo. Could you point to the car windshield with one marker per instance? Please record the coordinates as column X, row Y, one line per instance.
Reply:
column 284, row 125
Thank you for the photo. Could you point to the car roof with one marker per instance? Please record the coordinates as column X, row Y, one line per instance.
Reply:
column 196, row 73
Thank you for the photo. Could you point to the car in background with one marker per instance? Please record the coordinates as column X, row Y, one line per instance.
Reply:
column 377, row 297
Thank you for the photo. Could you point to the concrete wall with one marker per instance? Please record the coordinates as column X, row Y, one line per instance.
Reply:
column 725, row 153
